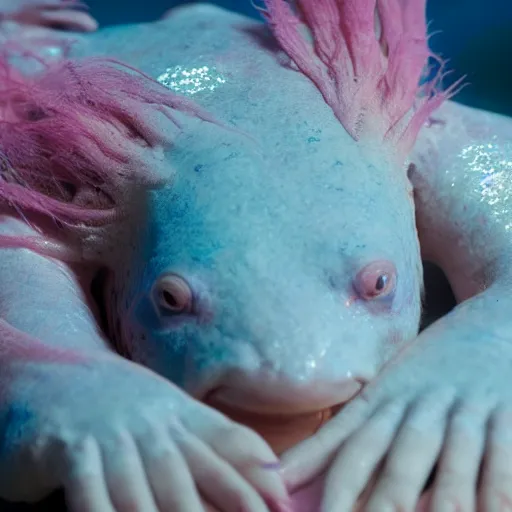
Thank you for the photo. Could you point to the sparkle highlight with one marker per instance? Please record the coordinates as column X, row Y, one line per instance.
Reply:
column 492, row 163
column 190, row 81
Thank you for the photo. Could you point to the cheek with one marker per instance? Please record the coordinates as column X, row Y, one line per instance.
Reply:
column 144, row 317
column 165, row 354
column 407, row 302
column 382, row 306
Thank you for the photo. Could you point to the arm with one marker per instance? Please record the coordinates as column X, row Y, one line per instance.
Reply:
column 462, row 178
column 45, row 298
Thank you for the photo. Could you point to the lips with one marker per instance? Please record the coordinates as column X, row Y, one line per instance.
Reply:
column 283, row 410
column 281, row 430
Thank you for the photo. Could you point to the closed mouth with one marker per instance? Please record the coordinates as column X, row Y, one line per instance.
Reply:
column 281, row 430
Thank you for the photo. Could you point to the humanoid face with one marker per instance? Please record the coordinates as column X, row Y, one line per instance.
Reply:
column 277, row 275
column 280, row 269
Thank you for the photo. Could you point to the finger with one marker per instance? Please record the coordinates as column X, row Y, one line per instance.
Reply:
column 312, row 456
column 359, row 456
column 218, row 481
column 457, row 474
column 168, row 475
column 496, row 485
column 67, row 19
column 246, row 451
column 84, row 485
column 53, row 16
column 413, row 454
column 125, row 475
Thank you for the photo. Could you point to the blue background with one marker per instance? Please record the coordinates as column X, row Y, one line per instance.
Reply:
column 476, row 35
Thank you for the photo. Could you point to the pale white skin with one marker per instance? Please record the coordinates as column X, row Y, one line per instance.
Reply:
column 126, row 456
column 448, row 395
column 104, row 443
column 111, row 450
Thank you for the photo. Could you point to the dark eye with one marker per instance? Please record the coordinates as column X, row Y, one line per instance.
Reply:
column 376, row 280
column 381, row 282
column 172, row 294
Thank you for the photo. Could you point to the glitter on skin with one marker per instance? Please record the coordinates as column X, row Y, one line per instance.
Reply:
column 190, row 81
column 492, row 162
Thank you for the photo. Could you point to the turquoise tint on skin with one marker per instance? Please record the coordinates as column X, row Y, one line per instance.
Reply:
column 273, row 229
column 272, row 220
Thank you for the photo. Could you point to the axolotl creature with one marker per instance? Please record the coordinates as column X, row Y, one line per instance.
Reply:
column 238, row 209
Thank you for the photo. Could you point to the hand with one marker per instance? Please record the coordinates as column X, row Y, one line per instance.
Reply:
column 446, row 399
column 117, row 437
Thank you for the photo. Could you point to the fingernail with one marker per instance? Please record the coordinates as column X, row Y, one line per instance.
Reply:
column 271, row 465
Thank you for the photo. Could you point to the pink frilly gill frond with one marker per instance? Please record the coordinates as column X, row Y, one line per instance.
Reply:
column 367, row 58
column 77, row 136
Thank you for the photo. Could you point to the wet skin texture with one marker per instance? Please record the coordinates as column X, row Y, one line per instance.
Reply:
column 311, row 194
column 439, row 300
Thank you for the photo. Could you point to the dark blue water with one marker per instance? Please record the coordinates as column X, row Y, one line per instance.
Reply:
column 476, row 35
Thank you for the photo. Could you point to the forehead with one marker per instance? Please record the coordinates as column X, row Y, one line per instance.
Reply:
column 282, row 151
column 233, row 194
column 233, row 67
